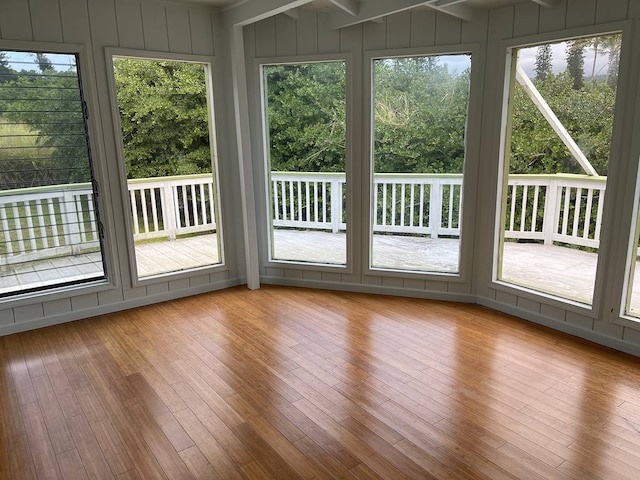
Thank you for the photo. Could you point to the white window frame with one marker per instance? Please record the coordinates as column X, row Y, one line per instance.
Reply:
column 472, row 150
column 603, row 270
column 268, row 260
column 208, row 62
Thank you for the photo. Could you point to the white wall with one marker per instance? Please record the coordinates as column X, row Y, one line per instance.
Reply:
column 140, row 25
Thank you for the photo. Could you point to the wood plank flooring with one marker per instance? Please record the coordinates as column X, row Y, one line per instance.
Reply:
column 294, row 383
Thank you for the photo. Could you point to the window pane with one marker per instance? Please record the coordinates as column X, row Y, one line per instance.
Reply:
column 165, row 119
column 50, row 235
column 558, row 141
column 305, row 125
column 418, row 157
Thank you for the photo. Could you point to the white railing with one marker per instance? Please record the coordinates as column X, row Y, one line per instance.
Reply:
column 44, row 222
column 58, row 220
column 555, row 208
column 552, row 208
column 165, row 207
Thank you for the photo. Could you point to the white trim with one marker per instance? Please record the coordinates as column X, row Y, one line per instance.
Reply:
column 207, row 62
column 259, row 64
column 472, row 147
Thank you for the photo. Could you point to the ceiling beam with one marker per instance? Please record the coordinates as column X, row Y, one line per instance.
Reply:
column 293, row 13
column 252, row 11
column 371, row 10
column 547, row 3
column 455, row 8
column 350, row 6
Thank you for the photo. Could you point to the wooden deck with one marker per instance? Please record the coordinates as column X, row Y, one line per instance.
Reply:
column 568, row 272
column 291, row 383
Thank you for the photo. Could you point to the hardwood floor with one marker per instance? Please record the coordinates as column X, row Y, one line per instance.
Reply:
column 293, row 383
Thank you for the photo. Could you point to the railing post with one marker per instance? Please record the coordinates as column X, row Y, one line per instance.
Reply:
column 169, row 210
column 551, row 212
column 336, row 205
column 435, row 208
column 70, row 221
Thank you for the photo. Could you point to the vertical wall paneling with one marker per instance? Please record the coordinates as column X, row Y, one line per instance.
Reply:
column 198, row 280
column 632, row 336
column 110, row 297
column 580, row 13
column 528, row 304
column 578, row 320
column 75, row 21
column 154, row 24
column 553, row 19
column 476, row 31
column 25, row 313
column 500, row 26
column 399, row 30
column 328, row 39
column 634, row 9
column 553, row 312
column 526, row 19
column 85, row 301
column 57, row 307
column 179, row 284
column 423, row 27
column 45, row 20
column 392, row 282
column 15, row 22
column 266, row 38
column 612, row 10
column 129, row 19
column 374, row 35
column 178, row 29
column 432, row 286
column 200, row 26
column 448, row 29
column 312, row 275
column 6, row 317
column 351, row 42
column 413, row 283
column 158, row 289
column 102, row 21
column 286, row 33
column 307, row 33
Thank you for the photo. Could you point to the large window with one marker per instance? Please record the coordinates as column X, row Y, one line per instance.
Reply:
column 50, row 232
column 420, row 114
column 165, row 117
column 305, row 125
column 558, row 135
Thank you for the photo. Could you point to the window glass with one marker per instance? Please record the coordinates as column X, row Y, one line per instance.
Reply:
column 420, row 115
column 50, row 232
column 305, row 122
column 165, row 116
column 558, row 138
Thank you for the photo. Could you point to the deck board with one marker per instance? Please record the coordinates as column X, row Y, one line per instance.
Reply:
column 568, row 272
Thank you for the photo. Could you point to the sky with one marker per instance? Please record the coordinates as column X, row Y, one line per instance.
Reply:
column 527, row 59
column 26, row 61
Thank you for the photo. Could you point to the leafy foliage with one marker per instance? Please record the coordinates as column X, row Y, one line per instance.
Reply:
column 306, row 109
column 43, row 109
column 544, row 61
column 420, row 116
column 164, row 117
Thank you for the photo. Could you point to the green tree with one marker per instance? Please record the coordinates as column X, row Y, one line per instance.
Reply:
column 5, row 70
column 575, row 63
column 44, row 63
column 48, row 106
column 544, row 61
column 164, row 117
column 587, row 114
column 420, row 116
column 306, row 111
